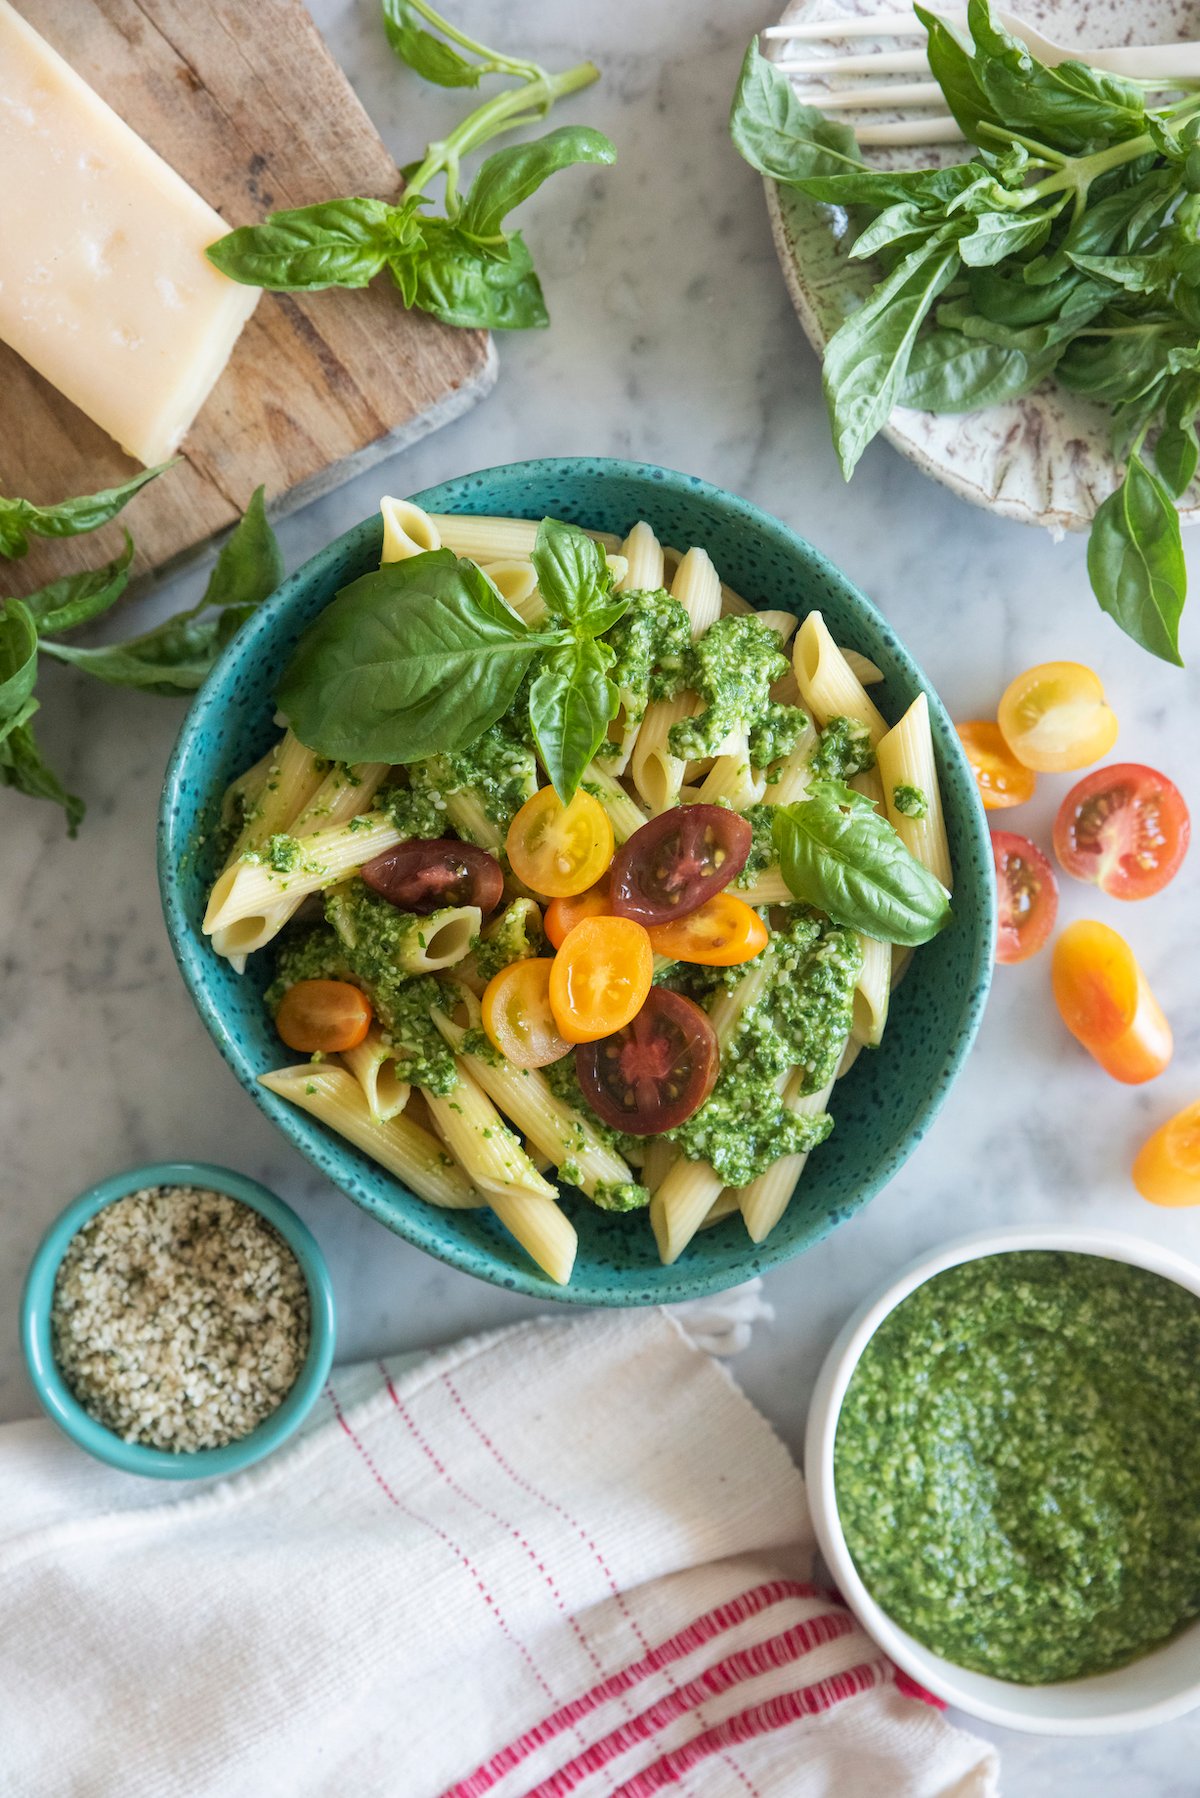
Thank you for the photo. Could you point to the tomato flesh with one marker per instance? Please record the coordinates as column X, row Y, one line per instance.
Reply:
column 559, row 850
column 656, row 1071
column 600, row 977
column 1107, row 1005
column 724, row 933
column 562, row 915
column 1002, row 780
column 1167, row 1168
column 1054, row 717
column 425, row 873
column 1026, row 896
column 1125, row 829
column 321, row 1017
column 676, row 861
column 517, row 1015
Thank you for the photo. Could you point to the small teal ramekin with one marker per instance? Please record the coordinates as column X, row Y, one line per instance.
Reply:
column 134, row 1457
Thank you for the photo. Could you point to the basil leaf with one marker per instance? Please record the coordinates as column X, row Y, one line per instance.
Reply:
column 173, row 658
column 18, row 657
column 249, row 566
column 1112, row 369
column 510, row 175
column 896, row 227
column 779, row 136
column 78, row 598
column 572, row 702
column 23, row 767
column 837, row 853
column 414, row 659
column 1175, row 456
column 460, row 286
column 339, row 243
column 929, row 189
column 1000, row 234
column 572, row 572
column 954, row 71
column 1135, row 562
column 949, row 372
column 20, row 519
column 1070, row 106
column 425, row 54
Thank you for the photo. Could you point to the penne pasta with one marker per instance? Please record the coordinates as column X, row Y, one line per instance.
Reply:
column 644, row 565
column 873, row 991
column 253, row 889
column 499, row 539
column 373, row 1064
column 828, row 685
column 905, row 760
column 766, row 1199
column 479, row 1139
column 407, row 530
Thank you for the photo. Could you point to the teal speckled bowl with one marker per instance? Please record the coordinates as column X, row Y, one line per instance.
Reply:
column 885, row 1104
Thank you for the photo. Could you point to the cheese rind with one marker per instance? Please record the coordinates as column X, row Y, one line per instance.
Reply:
column 104, row 285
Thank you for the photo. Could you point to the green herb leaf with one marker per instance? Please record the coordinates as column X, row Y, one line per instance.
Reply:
column 460, row 286
column 949, row 372
column 425, row 54
column 572, row 702
column 573, row 577
column 339, row 243
column 18, row 657
column 1175, row 456
column 78, row 598
column 510, row 175
column 249, row 566
column 20, row 519
column 1000, row 234
column 1070, row 106
column 780, row 137
column 1135, row 561
column 954, row 71
column 23, row 767
column 838, row 854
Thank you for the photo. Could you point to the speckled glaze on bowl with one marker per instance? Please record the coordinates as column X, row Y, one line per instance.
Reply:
column 886, row 1103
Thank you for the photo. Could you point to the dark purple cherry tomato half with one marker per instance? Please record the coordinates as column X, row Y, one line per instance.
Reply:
column 674, row 863
column 655, row 1072
column 426, row 873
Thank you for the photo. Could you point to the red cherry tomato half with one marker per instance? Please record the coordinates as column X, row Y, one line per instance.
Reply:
column 1125, row 829
column 655, row 1072
column 426, row 873
column 674, row 863
column 1027, row 896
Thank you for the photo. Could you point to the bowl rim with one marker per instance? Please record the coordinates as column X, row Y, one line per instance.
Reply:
column 685, row 1281
column 65, row 1410
column 829, row 1391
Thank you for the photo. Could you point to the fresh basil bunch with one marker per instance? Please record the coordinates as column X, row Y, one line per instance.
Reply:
column 465, row 268
column 837, row 853
column 420, row 657
column 172, row 658
column 1068, row 246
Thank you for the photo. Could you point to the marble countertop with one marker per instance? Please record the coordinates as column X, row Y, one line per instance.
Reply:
column 673, row 341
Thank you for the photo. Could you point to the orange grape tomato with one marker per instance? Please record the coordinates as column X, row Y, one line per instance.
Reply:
column 1107, row 1004
column 1054, row 717
column 1125, row 828
column 562, row 915
column 319, row 1017
column 560, row 850
column 1002, row 780
column 724, row 932
column 517, row 1015
column 600, row 977
column 1026, row 896
column 1167, row 1168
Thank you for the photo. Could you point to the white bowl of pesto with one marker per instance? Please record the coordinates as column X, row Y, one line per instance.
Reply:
column 1003, row 1463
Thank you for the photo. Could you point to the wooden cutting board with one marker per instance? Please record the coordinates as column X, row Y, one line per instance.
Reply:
column 244, row 100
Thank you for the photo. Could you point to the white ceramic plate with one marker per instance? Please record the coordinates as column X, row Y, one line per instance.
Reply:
column 1043, row 459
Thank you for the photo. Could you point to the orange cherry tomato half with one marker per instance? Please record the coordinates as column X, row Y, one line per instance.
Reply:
column 1026, row 896
column 517, row 1015
column 319, row 1017
column 723, row 933
column 1054, row 717
column 1106, row 1003
column 1124, row 828
column 562, row 915
column 1002, row 780
column 1167, row 1168
column 560, row 850
column 600, row 977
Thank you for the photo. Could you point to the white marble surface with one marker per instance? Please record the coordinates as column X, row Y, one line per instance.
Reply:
column 672, row 341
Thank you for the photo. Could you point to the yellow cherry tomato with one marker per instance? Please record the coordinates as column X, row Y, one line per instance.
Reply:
column 559, row 850
column 323, row 1016
column 600, row 978
column 1054, row 717
column 1167, row 1168
column 517, row 1015
column 1106, row 1003
column 722, row 934
column 1000, row 777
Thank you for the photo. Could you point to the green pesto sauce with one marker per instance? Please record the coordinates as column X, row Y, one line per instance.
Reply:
column 499, row 768
column 281, row 853
column 732, row 667
column 843, row 751
column 516, row 936
column 1018, row 1464
column 413, row 810
column 910, row 802
column 649, row 645
column 761, row 819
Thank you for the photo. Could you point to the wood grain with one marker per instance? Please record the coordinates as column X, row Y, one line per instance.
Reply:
column 247, row 104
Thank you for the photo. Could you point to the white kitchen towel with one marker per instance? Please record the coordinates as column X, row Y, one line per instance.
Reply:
column 564, row 1558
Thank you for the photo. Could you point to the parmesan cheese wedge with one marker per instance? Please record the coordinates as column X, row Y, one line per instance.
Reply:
column 104, row 286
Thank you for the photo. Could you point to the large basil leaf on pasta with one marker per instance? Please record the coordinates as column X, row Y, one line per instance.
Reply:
column 571, row 705
column 574, row 579
column 838, row 854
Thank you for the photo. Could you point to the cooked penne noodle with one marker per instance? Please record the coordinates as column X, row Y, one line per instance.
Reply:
column 244, row 790
column 868, row 672
column 657, row 774
column 516, row 583
column 624, row 813
column 732, row 781
column 905, row 759
column 475, row 1133
column 873, row 991
column 697, row 587
column 644, row 566
column 427, row 944
column 767, row 888
column 782, row 623
column 499, row 539
column 795, row 770
column 681, row 1204
column 253, row 889
column 722, row 1207
column 373, row 1064
column 407, row 530
column 828, row 685
column 543, row 1230
column 293, row 776
column 660, row 1157
column 766, row 1199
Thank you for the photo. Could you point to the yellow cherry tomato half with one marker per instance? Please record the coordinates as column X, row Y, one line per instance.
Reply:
column 1106, row 1003
column 1002, row 780
column 600, row 977
column 1054, row 717
column 1167, row 1168
column 517, row 1015
column 560, row 850
column 562, row 915
column 319, row 1017
column 723, row 933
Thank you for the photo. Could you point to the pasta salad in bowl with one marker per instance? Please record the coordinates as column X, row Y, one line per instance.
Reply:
column 568, row 906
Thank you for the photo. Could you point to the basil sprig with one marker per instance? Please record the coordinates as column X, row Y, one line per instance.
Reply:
column 1068, row 245
column 838, row 854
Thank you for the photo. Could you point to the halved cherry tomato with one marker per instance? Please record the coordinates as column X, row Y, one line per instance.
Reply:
column 1106, row 1003
column 1026, row 895
column 600, row 977
column 562, row 915
column 1167, row 1168
column 319, row 1017
column 517, row 1014
column 1002, row 780
column 724, row 932
column 425, row 873
column 655, row 1072
column 674, row 863
column 1054, row 717
column 558, row 849
column 1125, row 829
